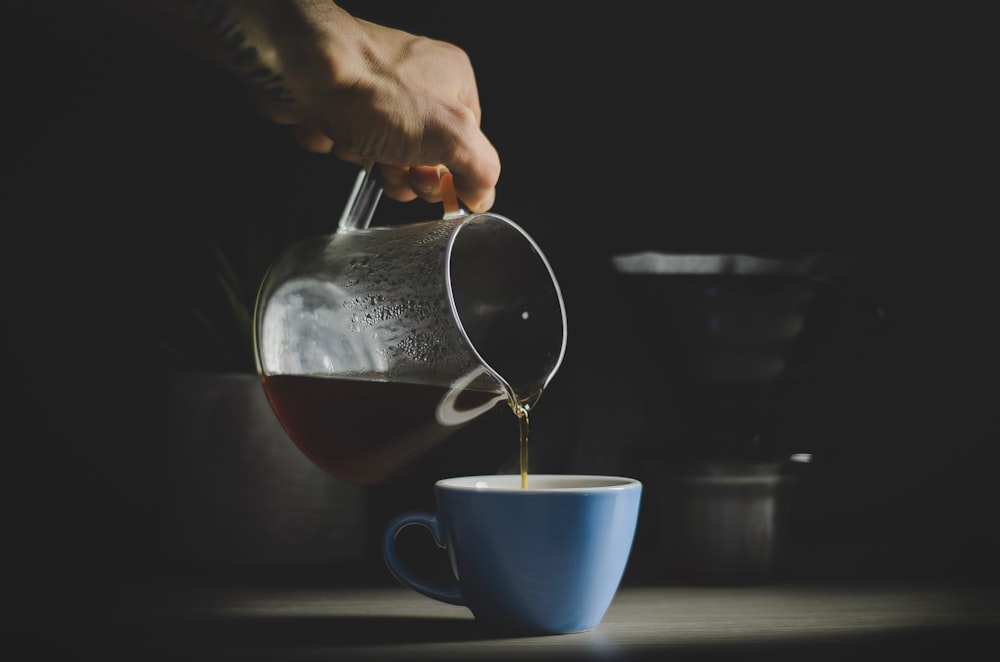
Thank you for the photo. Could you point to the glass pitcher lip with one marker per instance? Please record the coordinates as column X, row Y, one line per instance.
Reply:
column 462, row 222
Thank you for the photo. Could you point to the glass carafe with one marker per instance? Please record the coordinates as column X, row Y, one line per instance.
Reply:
column 374, row 344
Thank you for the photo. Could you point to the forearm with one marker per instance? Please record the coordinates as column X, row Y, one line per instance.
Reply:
column 259, row 41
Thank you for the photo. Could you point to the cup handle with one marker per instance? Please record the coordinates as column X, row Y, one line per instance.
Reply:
column 450, row 593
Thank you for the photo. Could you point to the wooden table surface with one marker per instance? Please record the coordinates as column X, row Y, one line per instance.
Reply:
column 786, row 621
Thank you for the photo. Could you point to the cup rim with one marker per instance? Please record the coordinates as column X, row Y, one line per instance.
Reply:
column 538, row 483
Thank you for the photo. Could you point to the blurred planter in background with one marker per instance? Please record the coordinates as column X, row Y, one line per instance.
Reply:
column 239, row 491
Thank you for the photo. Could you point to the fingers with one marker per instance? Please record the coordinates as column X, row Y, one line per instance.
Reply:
column 396, row 184
column 475, row 182
column 474, row 164
column 406, row 184
column 474, row 177
column 424, row 182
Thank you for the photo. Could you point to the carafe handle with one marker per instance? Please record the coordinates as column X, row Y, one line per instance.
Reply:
column 362, row 201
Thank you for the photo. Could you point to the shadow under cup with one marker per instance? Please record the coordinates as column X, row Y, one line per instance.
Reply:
column 543, row 560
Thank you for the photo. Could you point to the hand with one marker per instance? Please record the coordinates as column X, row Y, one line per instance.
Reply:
column 369, row 93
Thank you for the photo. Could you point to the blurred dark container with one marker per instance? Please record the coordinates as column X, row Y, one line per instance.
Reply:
column 726, row 522
column 733, row 336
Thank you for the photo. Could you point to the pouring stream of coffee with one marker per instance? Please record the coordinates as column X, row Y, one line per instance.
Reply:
column 449, row 198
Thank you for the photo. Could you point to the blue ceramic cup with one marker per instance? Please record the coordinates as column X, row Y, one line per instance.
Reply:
column 545, row 559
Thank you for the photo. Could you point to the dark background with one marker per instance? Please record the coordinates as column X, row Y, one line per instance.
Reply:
column 864, row 129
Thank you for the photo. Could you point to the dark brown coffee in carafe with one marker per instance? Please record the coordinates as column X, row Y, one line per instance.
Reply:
column 346, row 428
